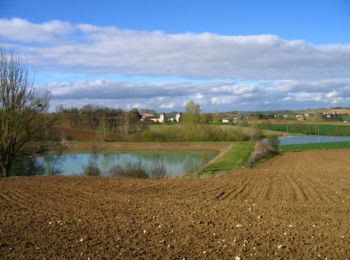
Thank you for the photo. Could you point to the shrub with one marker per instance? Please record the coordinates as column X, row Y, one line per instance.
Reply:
column 131, row 171
column 92, row 170
column 138, row 170
column 273, row 141
column 158, row 170
column 261, row 151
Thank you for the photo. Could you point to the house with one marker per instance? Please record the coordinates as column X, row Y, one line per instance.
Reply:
column 148, row 117
column 225, row 120
column 300, row 117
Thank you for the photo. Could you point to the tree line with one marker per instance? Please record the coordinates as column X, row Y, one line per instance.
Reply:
column 105, row 120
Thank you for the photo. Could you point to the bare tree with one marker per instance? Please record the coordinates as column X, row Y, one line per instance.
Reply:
column 21, row 119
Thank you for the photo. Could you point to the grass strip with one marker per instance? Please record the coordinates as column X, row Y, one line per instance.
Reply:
column 309, row 129
column 235, row 157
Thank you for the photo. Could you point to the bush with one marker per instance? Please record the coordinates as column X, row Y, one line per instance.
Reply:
column 131, row 171
column 92, row 170
column 261, row 151
column 273, row 141
column 158, row 170
column 138, row 170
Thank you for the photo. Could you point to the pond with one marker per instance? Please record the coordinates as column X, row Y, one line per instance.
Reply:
column 306, row 139
column 171, row 163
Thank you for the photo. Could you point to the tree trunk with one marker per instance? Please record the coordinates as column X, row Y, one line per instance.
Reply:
column 5, row 171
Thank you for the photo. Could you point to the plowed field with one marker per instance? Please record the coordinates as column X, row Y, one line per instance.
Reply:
column 295, row 205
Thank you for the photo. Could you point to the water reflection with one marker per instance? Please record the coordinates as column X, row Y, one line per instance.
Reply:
column 312, row 139
column 92, row 168
column 156, row 164
column 52, row 164
column 25, row 165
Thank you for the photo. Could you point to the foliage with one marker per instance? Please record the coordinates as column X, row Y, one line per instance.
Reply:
column 192, row 113
column 203, row 133
column 191, row 120
column 21, row 117
column 107, row 121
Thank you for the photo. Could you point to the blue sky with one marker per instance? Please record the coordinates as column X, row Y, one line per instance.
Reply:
column 230, row 54
column 320, row 21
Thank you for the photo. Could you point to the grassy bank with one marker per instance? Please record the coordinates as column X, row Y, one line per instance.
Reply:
column 236, row 156
column 314, row 146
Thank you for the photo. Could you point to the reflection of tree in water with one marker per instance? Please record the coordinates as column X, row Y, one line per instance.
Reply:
column 25, row 165
column 171, row 158
column 139, row 170
column 52, row 163
column 192, row 164
column 158, row 170
column 191, row 161
column 92, row 169
column 131, row 170
column 107, row 159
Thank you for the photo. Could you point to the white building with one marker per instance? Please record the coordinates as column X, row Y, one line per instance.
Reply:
column 177, row 117
column 161, row 118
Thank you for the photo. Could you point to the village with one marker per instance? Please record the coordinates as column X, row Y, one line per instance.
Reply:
column 243, row 117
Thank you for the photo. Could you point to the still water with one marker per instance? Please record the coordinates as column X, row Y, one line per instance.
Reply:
column 306, row 139
column 175, row 163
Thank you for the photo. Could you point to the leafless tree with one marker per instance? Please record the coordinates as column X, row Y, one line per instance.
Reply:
column 21, row 117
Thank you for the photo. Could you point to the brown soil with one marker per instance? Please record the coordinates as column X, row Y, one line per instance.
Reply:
column 295, row 205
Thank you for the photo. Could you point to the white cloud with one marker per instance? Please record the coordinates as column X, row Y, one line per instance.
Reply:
column 334, row 97
column 274, row 72
column 167, row 106
column 93, row 49
column 22, row 30
column 332, row 94
column 212, row 97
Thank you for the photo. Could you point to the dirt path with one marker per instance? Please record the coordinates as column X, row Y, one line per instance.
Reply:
column 294, row 206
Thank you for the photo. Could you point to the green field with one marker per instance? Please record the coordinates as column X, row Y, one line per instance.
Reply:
column 309, row 129
column 236, row 157
column 314, row 146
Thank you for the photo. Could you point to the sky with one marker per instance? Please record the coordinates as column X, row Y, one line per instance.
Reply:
column 226, row 55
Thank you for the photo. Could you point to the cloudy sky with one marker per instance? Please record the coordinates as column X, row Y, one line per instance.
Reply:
column 225, row 55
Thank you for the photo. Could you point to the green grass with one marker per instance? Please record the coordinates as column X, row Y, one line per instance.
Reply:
column 309, row 129
column 236, row 157
column 314, row 146
column 346, row 118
